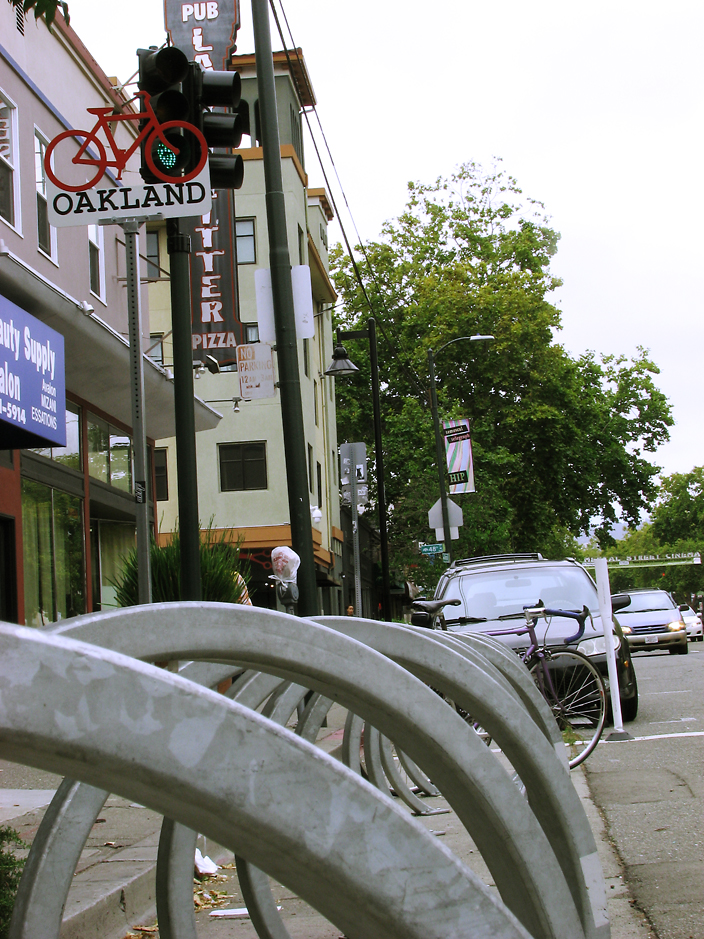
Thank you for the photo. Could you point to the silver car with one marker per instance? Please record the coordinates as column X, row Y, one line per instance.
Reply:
column 652, row 620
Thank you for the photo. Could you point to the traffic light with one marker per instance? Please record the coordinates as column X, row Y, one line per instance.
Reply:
column 161, row 74
column 206, row 89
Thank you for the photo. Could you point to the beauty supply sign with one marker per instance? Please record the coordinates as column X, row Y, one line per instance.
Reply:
column 32, row 381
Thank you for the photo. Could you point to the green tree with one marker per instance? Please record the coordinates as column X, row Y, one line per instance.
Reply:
column 679, row 510
column 557, row 441
column 46, row 8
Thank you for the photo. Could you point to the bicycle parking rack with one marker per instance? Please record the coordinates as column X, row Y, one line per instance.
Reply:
column 532, row 875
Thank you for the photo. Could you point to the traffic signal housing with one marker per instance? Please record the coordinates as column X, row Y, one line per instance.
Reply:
column 206, row 89
column 161, row 76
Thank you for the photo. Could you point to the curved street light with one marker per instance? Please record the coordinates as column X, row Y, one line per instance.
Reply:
column 439, row 448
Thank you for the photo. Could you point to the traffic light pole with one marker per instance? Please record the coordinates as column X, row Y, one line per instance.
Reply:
column 280, row 262
column 179, row 247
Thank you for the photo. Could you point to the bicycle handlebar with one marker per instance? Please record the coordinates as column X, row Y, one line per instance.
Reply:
column 532, row 614
column 434, row 606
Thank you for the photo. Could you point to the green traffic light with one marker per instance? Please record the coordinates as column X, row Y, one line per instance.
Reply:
column 164, row 158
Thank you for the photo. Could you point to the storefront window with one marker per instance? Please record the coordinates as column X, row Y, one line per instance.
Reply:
column 98, row 444
column 121, row 462
column 54, row 565
column 113, row 541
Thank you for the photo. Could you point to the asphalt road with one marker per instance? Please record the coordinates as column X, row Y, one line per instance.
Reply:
column 651, row 792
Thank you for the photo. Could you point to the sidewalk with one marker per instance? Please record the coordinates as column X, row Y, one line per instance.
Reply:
column 113, row 890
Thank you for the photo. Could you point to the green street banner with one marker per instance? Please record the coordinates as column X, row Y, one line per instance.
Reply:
column 458, row 453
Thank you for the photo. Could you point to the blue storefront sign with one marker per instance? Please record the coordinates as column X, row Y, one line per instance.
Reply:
column 32, row 381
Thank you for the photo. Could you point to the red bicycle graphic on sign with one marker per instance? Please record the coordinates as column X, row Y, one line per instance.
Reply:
column 173, row 149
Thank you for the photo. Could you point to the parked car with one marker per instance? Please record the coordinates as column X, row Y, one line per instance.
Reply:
column 490, row 592
column 652, row 620
column 693, row 623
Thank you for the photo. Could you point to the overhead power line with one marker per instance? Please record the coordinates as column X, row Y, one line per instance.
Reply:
column 393, row 346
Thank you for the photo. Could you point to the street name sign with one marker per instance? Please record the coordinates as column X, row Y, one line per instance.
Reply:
column 431, row 549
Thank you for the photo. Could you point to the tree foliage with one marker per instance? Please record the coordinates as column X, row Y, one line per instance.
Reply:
column 558, row 441
column 46, row 8
column 677, row 527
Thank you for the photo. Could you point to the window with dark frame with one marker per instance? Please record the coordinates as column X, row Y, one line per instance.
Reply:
column 161, row 475
column 310, row 468
column 43, row 227
column 152, row 255
column 251, row 333
column 319, row 474
column 315, row 401
column 156, row 348
column 306, row 357
column 95, row 259
column 242, row 466
column 245, row 241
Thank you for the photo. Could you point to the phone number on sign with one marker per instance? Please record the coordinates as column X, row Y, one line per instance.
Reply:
column 13, row 412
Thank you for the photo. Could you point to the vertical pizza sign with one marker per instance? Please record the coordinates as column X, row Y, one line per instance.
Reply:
column 206, row 32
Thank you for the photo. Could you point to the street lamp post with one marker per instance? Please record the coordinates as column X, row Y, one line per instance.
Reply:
column 340, row 367
column 439, row 448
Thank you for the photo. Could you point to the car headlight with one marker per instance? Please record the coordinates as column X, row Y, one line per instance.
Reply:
column 597, row 645
column 626, row 630
column 675, row 627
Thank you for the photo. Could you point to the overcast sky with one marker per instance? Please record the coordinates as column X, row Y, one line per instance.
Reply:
column 596, row 109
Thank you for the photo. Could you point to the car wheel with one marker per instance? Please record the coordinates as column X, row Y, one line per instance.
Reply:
column 679, row 650
column 629, row 706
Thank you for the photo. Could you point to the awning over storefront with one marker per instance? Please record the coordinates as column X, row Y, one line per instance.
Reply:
column 97, row 357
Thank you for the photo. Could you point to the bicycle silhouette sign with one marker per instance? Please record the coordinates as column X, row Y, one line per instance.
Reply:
column 84, row 169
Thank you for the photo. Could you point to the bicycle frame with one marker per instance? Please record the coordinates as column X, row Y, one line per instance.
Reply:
column 106, row 117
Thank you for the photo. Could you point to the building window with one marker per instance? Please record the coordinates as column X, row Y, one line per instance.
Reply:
column 153, row 265
column 161, row 475
column 54, row 564
column 109, row 454
column 310, row 469
column 301, row 247
column 156, row 348
column 251, row 333
column 96, row 262
column 315, row 401
column 306, row 357
column 9, row 202
column 70, row 455
column 319, row 477
column 245, row 243
column 46, row 235
column 242, row 466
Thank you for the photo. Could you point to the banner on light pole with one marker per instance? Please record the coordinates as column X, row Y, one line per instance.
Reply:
column 458, row 453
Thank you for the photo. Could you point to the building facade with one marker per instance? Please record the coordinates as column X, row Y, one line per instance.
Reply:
column 67, row 513
column 242, row 488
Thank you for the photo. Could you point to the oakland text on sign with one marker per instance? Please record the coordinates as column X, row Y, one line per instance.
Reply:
column 165, row 200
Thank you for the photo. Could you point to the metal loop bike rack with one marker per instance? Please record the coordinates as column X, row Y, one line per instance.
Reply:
column 318, row 657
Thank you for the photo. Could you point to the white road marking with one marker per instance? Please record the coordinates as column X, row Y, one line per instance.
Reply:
column 691, row 733
column 649, row 694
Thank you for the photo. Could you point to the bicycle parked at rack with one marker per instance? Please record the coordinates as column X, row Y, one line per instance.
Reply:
column 571, row 685
column 173, row 143
column 569, row 682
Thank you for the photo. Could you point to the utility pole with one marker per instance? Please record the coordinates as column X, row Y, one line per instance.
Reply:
column 286, row 349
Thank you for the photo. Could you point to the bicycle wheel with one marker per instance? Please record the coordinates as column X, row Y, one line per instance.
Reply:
column 187, row 142
column 69, row 170
column 575, row 692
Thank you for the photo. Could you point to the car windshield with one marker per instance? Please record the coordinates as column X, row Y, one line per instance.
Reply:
column 650, row 600
column 496, row 594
